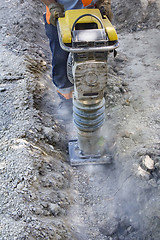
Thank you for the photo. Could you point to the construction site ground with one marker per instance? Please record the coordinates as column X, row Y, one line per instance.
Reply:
column 41, row 195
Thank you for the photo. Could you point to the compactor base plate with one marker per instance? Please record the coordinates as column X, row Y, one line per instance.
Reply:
column 76, row 158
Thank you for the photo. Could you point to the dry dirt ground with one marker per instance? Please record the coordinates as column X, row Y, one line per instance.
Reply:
column 41, row 196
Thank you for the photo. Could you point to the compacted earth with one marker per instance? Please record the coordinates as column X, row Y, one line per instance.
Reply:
column 41, row 195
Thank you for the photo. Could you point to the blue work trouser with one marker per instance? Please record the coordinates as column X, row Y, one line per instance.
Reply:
column 59, row 61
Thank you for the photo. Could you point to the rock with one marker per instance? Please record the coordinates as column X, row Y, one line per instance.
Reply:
column 54, row 209
column 121, row 73
column 20, row 185
column 2, row 165
column 116, row 89
column 2, row 89
column 157, row 165
column 157, row 25
column 108, row 228
column 48, row 131
column 143, row 173
column 148, row 162
column 38, row 211
column 127, row 134
column 16, row 215
column 111, row 96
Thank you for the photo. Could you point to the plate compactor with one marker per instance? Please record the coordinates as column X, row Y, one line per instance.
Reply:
column 88, row 37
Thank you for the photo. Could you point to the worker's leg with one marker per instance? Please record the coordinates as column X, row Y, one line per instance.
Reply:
column 59, row 63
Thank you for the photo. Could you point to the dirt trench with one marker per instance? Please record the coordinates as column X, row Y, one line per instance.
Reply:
column 41, row 196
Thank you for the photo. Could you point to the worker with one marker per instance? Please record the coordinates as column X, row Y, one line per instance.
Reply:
column 55, row 9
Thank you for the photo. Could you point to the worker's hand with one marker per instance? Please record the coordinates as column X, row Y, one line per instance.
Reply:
column 56, row 10
column 105, row 8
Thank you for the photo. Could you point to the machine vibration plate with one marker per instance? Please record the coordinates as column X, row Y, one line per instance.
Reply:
column 76, row 158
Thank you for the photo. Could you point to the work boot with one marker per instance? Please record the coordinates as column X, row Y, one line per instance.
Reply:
column 64, row 110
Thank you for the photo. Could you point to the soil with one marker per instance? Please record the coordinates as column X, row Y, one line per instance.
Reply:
column 41, row 195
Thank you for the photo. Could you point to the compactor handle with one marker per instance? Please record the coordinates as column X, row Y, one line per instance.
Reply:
column 86, row 49
column 85, row 15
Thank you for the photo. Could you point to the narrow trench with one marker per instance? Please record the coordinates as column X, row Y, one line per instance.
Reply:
column 93, row 190
column 105, row 201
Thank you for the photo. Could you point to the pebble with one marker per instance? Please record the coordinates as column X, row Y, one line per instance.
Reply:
column 157, row 25
column 148, row 162
column 2, row 89
column 121, row 73
column 111, row 96
column 157, row 165
column 116, row 89
column 38, row 211
column 20, row 185
column 2, row 165
column 54, row 208
column 109, row 227
column 143, row 173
